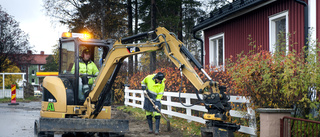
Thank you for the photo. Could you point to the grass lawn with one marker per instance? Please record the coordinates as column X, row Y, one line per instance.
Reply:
column 28, row 99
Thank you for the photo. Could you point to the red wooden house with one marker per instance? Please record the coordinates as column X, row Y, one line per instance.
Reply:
column 227, row 29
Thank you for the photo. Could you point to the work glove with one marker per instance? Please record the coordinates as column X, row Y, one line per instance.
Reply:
column 157, row 104
column 84, row 80
column 144, row 87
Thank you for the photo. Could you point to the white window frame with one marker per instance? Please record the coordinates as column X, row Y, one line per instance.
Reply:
column 213, row 39
column 33, row 72
column 33, row 81
column 41, row 67
column 272, row 30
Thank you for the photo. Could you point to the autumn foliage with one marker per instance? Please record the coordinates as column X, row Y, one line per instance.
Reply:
column 269, row 80
column 10, row 79
column 277, row 80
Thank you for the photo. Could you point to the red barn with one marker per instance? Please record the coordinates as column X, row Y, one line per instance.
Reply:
column 227, row 30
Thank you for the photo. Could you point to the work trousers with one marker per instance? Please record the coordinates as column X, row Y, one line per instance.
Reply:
column 155, row 113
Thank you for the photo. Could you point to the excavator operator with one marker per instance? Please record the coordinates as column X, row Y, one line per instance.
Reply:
column 86, row 67
column 154, row 86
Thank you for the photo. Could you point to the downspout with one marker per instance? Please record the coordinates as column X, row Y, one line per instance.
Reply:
column 306, row 26
column 201, row 45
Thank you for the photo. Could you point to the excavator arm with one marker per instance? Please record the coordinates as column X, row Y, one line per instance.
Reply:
column 214, row 98
column 165, row 41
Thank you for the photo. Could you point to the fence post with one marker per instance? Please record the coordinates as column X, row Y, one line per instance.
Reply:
column 142, row 96
column 3, row 85
column 126, row 95
column 188, row 109
column 23, row 79
column 168, row 106
column 281, row 127
column 270, row 120
column 252, row 118
column 134, row 99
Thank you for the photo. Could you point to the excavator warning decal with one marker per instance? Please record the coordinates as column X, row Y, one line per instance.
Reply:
column 50, row 107
column 131, row 49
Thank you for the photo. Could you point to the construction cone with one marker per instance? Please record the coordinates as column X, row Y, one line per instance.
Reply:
column 13, row 95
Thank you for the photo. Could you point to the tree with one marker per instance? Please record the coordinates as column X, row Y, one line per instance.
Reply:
column 212, row 5
column 51, row 65
column 103, row 19
column 56, row 53
column 10, row 79
column 13, row 41
column 190, row 10
column 177, row 16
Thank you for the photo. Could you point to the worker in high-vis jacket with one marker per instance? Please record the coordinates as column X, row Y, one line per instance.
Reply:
column 154, row 86
column 86, row 66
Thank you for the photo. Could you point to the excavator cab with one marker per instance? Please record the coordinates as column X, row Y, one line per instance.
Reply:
column 63, row 107
column 70, row 50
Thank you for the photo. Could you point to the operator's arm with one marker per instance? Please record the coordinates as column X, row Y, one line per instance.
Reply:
column 95, row 70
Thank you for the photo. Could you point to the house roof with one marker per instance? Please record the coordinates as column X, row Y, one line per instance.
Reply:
column 229, row 11
column 39, row 59
column 33, row 59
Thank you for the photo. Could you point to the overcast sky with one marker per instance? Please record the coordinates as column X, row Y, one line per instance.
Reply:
column 31, row 17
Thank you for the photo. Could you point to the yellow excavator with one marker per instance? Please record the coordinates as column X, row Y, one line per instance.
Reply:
column 66, row 109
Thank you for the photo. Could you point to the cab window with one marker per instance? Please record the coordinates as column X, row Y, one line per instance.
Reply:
column 67, row 57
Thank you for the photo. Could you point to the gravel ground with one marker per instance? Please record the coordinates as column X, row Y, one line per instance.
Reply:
column 18, row 120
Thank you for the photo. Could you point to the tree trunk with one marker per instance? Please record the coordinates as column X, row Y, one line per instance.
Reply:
column 129, row 8
column 153, row 27
column 136, row 32
column 180, row 23
column 102, row 18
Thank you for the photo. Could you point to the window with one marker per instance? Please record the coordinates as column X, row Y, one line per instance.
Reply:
column 41, row 67
column 33, row 72
column 67, row 57
column 32, row 80
column 278, row 30
column 216, row 50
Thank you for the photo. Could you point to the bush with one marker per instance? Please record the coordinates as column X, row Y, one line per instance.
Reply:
column 28, row 90
column 276, row 80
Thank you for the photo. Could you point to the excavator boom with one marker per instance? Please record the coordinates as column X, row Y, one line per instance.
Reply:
column 165, row 41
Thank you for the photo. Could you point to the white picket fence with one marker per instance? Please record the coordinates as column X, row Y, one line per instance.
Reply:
column 131, row 100
column 6, row 93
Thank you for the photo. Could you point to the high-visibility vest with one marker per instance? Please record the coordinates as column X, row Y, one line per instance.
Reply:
column 157, row 89
column 90, row 68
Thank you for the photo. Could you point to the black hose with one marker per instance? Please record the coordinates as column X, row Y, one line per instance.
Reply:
column 198, row 102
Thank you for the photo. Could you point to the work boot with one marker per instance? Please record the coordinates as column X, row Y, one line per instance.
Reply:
column 157, row 124
column 149, row 118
